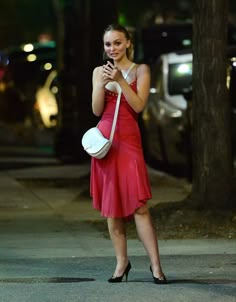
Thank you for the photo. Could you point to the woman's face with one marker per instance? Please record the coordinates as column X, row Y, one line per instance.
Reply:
column 115, row 44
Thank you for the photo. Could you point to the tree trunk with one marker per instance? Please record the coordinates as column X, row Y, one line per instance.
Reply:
column 211, row 129
column 83, row 49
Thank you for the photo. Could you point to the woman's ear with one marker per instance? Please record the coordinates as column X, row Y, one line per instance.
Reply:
column 128, row 44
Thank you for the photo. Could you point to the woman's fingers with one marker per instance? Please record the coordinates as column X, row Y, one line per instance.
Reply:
column 110, row 72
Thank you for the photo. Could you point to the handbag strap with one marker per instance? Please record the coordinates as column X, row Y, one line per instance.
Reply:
column 118, row 103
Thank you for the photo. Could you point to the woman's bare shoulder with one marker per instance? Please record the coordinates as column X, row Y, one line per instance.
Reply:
column 97, row 70
column 143, row 71
column 143, row 68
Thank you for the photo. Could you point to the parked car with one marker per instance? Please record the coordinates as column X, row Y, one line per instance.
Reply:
column 28, row 67
column 166, row 123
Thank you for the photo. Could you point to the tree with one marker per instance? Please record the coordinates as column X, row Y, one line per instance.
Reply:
column 80, row 36
column 211, row 110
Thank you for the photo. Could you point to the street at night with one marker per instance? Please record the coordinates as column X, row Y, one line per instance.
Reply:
column 171, row 68
column 51, row 249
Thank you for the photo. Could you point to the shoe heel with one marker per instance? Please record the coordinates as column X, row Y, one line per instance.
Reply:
column 119, row 279
column 128, row 268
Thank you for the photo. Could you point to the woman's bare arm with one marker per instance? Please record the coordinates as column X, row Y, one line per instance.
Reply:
column 98, row 93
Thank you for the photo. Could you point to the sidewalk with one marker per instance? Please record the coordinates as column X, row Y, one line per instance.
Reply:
column 164, row 187
column 64, row 189
column 73, row 204
column 49, row 253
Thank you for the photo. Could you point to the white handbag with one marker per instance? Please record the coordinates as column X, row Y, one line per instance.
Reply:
column 93, row 141
column 95, row 144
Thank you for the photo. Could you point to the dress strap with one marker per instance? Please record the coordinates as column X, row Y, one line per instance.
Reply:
column 118, row 103
column 131, row 66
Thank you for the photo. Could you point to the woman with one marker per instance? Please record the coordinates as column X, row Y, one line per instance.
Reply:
column 120, row 185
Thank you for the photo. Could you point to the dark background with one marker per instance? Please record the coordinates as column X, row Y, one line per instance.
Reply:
column 77, row 27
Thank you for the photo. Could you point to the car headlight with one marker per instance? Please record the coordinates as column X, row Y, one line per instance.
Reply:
column 174, row 114
column 177, row 113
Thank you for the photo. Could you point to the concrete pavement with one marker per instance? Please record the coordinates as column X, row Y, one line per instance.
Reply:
column 50, row 253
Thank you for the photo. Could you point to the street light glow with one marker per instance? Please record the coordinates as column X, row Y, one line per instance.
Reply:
column 28, row 47
column 31, row 58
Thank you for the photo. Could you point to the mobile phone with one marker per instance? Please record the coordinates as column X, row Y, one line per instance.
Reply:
column 105, row 61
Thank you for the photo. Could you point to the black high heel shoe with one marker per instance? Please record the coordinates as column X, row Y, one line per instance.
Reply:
column 161, row 280
column 119, row 279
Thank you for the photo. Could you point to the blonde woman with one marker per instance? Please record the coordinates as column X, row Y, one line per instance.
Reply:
column 120, row 185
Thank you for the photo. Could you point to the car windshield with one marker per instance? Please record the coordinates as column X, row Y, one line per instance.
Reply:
column 180, row 77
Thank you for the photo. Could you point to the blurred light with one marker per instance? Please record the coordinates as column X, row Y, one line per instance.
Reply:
column 31, row 58
column 159, row 19
column 2, row 87
column 44, row 37
column 164, row 34
column 28, row 47
column 54, row 89
column 186, row 42
column 184, row 69
column 46, row 104
column 177, row 113
column 233, row 61
column 4, row 61
column 162, row 111
column 47, row 66
column 146, row 116
column 122, row 19
column 153, row 90
column 228, row 81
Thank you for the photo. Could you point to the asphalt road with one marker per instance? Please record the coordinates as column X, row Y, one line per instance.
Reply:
column 45, row 257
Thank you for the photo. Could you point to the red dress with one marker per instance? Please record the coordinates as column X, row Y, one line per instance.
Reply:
column 119, row 182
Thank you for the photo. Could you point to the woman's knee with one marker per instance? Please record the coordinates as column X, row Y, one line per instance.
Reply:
column 142, row 211
column 116, row 225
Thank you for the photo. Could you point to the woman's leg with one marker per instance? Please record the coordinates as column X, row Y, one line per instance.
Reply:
column 148, row 236
column 117, row 231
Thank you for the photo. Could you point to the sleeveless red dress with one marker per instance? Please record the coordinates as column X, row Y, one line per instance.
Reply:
column 119, row 182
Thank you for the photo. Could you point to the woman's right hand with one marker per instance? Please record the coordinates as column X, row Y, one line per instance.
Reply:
column 98, row 92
